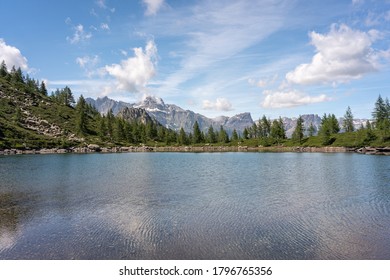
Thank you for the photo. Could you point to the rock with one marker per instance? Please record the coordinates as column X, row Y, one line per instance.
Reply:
column 94, row 147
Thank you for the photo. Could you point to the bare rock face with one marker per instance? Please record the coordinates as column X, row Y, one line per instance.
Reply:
column 135, row 114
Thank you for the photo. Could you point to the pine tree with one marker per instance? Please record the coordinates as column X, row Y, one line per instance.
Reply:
column 120, row 134
column 311, row 130
column 102, row 127
column 67, row 97
column 348, row 121
column 255, row 131
column 81, row 120
column 211, row 137
column 329, row 126
column 234, row 135
column 42, row 88
column 110, row 122
column 266, row 125
column 334, row 124
column 245, row 133
column 380, row 112
column 298, row 131
column 3, row 70
column 182, row 138
column 278, row 131
column 197, row 135
column 223, row 137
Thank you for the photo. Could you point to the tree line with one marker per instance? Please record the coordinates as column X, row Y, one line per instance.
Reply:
column 269, row 132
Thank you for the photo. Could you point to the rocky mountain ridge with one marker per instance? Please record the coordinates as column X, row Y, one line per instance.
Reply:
column 172, row 116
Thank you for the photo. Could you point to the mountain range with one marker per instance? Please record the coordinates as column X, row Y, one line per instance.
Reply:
column 175, row 117
column 172, row 116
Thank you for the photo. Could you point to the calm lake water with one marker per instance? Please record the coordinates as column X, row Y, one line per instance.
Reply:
column 195, row 206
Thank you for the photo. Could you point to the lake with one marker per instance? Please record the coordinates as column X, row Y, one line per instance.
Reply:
column 195, row 206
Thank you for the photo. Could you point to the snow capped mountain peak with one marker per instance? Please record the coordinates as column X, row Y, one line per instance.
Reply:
column 152, row 101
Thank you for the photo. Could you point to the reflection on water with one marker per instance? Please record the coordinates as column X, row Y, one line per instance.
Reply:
column 195, row 206
column 13, row 209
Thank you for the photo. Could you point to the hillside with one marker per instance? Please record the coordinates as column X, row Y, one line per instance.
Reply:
column 30, row 119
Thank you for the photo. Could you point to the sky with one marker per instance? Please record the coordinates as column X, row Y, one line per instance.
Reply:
column 267, row 57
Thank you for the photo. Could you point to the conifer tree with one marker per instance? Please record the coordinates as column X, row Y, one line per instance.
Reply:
column 42, row 88
column 245, row 133
column 223, row 137
column 298, row 131
column 266, row 125
column 81, row 120
column 234, row 135
column 381, row 115
column 211, row 137
column 182, row 138
column 278, row 132
column 311, row 130
column 3, row 70
column 110, row 122
column 197, row 135
column 348, row 121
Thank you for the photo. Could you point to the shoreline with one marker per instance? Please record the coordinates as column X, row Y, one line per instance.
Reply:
column 198, row 149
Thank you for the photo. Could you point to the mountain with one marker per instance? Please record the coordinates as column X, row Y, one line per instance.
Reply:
column 135, row 114
column 290, row 123
column 105, row 104
column 172, row 116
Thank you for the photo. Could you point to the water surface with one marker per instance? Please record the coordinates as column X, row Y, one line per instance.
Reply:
column 195, row 206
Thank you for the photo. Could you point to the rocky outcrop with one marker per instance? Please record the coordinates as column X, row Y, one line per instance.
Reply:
column 374, row 151
column 135, row 115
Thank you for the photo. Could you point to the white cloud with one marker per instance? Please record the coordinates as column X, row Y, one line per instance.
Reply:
column 221, row 104
column 12, row 56
column 291, row 98
column 342, row 55
column 104, row 26
column 152, row 6
column 134, row 73
column 87, row 61
column 80, row 35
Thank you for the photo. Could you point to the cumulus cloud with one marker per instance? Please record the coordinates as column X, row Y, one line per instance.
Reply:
column 134, row 73
column 341, row 55
column 221, row 104
column 12, row 56
column 79, row 35
column 290, row 98
column 152, row 6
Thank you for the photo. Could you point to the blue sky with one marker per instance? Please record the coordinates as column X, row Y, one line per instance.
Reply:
column 272, row 57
